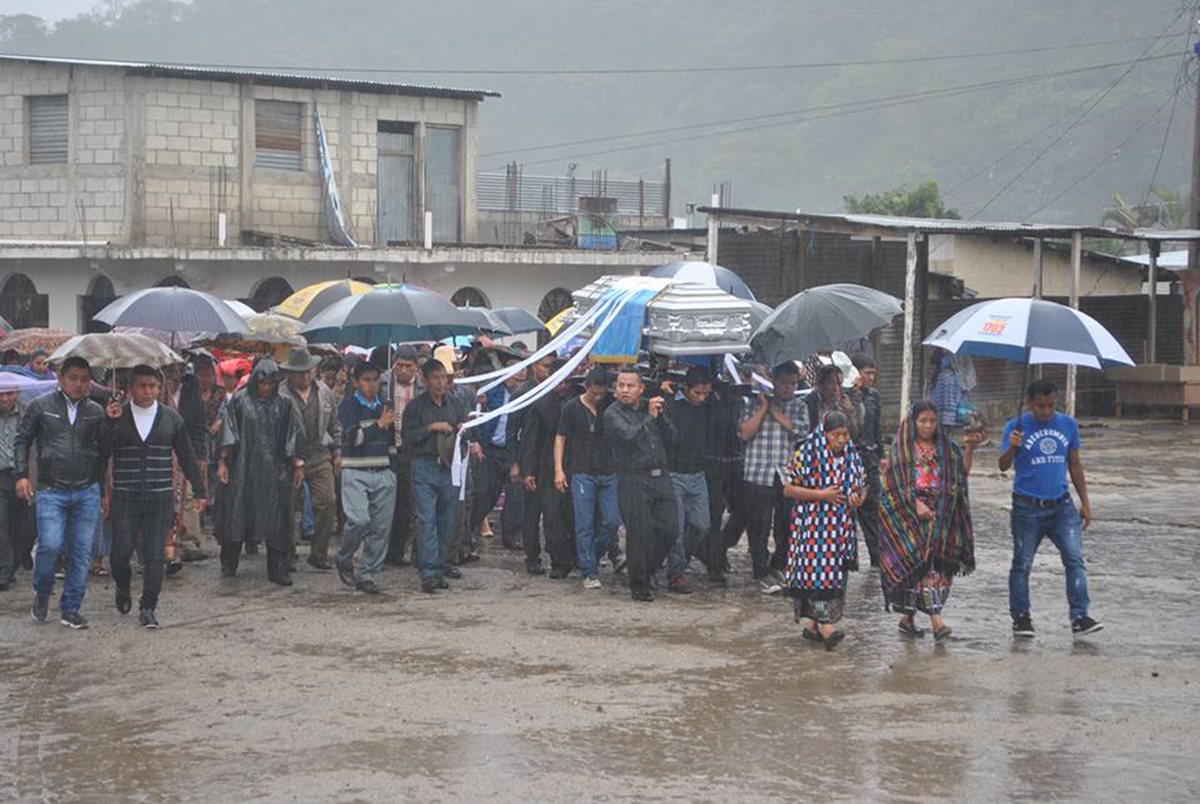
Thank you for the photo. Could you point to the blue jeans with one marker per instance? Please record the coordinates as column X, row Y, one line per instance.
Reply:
column 66, row 521
column 436, row 500
column 692, row 492
column 1061, row 523
column 307, row 525
column 592, row 495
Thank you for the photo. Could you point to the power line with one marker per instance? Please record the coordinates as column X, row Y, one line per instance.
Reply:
column 1110, row 154
column 847, row 107
column 616, row 71
column 1091, row 104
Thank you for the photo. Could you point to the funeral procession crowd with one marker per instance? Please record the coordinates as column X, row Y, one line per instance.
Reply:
column 614, row 471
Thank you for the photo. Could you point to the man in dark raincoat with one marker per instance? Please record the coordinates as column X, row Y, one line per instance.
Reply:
column 258, row 472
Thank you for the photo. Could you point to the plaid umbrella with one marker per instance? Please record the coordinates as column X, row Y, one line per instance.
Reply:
column 116, row 350
column 29, row 340
column 307, row 302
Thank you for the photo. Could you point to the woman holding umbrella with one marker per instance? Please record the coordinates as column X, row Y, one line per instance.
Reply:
column 827, row 483
column 926, row 516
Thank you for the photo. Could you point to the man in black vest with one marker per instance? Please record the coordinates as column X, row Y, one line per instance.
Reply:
column 144, row 438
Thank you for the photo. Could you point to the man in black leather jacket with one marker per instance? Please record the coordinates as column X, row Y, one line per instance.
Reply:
column 71, row 450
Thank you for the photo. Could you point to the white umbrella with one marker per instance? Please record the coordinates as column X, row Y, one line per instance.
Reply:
column 1030, row 331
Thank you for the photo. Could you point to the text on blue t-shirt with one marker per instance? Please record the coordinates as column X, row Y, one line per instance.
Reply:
column 1040, row 466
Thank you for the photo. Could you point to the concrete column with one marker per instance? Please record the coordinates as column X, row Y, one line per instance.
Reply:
column 245, row 162
column 1076, row 263
column 910, row 324
column 1152, row 334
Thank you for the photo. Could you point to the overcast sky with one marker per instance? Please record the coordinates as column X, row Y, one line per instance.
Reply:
column 50, row 10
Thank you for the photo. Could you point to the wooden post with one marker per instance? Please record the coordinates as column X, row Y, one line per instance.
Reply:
column 1152, row 325
column 910, row 323
column 714, row 229
column 1076, row 264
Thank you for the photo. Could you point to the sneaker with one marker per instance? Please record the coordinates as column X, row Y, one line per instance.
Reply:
column 74, row 620
column 124, row 600
column 771, row 583
column 1085, row 625
column 146, row 619
column 1023, row 627
column 592, row 582
column 41, row 606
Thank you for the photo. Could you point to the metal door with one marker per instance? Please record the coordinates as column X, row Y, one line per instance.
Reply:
column 395, row 186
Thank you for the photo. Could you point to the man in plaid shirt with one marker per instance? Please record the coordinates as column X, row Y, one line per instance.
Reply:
column 770, row 428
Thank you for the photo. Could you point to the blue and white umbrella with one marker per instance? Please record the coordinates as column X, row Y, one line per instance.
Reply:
column 704, row 273
column 1030, row 331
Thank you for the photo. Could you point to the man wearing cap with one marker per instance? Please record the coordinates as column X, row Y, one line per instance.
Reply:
column 318, row 444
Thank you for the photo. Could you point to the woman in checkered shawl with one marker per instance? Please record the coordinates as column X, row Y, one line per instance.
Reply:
column 827, row 482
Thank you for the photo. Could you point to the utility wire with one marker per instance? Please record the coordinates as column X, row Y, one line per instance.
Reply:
column 665, row 70
column 836, row 110
column 1091, row 104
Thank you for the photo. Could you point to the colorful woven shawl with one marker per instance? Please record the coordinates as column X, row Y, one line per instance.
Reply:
column 910, row 546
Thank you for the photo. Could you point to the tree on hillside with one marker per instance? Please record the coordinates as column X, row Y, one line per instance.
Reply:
column 22, row 28
column 922, row 201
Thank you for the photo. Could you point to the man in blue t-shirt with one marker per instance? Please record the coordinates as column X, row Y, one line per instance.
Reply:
column 1043, row 447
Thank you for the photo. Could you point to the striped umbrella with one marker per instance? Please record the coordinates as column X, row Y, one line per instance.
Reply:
column 308, row 302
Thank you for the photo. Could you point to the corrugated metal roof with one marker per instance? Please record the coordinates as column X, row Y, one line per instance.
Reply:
column 1170, row 260
column 238, row 75
column 893, row 224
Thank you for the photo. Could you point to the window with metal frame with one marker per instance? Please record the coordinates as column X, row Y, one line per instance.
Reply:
column 277, row 134
column 48, row 129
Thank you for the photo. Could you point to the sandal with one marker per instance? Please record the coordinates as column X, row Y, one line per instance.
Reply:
column 833, row 639
column 911, row 629
column 942, row 633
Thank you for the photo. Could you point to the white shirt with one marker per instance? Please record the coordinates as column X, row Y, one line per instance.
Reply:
column 143, row 418
column 72, row 409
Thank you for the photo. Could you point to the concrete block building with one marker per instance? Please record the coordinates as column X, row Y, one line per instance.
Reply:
column 119, row 175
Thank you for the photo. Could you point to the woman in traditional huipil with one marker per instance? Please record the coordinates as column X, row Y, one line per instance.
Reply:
column 926, row 517
column 827, row 482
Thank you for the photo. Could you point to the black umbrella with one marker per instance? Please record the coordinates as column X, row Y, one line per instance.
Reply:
column 518, row 320
column 820, row 318
column 172, row 309
column 705, row 273
column 402, row 313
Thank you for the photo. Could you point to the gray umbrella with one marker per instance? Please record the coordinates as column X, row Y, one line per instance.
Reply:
column 820, row 318
column 487, row 320
column 172, row 309
column 518, row 319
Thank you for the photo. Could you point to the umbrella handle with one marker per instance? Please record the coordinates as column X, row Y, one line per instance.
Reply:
column 1024, row 382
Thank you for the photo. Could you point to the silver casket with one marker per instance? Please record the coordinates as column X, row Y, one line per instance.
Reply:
column 685, row 318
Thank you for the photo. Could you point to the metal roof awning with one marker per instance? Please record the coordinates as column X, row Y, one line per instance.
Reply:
column 239, row 75
column 888, row 225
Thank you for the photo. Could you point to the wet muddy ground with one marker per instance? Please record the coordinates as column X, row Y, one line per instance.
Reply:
column 510, row 687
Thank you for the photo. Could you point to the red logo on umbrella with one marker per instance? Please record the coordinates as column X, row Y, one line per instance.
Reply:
column 994, row 326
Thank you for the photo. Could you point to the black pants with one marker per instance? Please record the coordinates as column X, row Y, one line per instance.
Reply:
column 277, row 560
column 404, row 515
column 9, row 510
column 512, row 521
column 724, row 480
column 491, row 474
column 767, row 510
column 560, row 539
column 868, row 516
column 650, row 512
column 143, row 520
column 531, row 519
